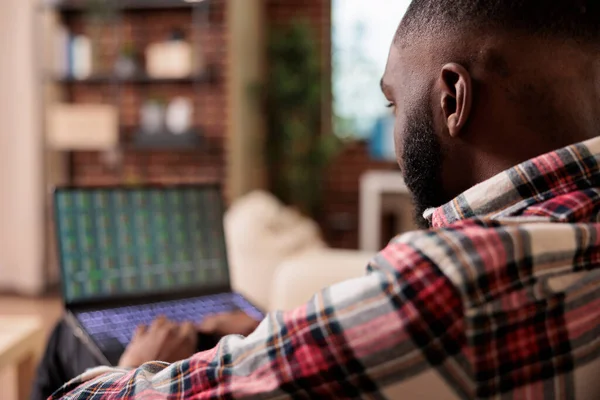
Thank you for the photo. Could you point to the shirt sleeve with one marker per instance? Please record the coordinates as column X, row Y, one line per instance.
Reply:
column 349, row 340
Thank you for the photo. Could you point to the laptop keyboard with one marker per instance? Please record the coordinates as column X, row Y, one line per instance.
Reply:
column 106, row 326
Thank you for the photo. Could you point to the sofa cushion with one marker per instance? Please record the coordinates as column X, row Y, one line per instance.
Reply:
column 261, row 233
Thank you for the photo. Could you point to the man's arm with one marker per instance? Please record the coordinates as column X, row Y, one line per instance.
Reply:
column 354, row 337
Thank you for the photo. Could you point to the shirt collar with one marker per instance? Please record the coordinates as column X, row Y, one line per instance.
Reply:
column 575, row 167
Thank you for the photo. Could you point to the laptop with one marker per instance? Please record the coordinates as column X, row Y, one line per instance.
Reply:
column 130, row 255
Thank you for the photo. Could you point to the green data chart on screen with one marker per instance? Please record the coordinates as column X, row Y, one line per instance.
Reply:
column 124, row 241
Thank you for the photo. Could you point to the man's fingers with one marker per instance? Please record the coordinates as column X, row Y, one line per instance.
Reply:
column 209, row 324
column 142, row 329
column 169, row 328
column 158, row 323
column 220, row 324
column 162, row 329
column 189, row 333
column 188, row 329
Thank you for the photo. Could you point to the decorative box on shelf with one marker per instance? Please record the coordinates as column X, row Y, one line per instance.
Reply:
column 72, row 127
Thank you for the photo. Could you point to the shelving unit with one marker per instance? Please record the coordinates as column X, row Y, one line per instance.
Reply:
column 139, row 23
column 129, row 5
column 187, row 141
column 136, row 79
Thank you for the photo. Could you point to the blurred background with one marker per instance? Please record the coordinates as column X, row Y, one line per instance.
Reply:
column 280, row 96
column 277, row 101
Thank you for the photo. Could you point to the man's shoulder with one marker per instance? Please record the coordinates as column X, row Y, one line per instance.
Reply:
column 485, row 258
column 444, row 245
column 528, row 288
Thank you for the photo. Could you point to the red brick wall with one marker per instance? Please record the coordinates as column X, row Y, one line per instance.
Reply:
column 318, row 12
column 141, row 28
column 210, row 106
column 341, row 205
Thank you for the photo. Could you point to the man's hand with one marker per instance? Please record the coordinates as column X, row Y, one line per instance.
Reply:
column 162, row 341
column 235, row 323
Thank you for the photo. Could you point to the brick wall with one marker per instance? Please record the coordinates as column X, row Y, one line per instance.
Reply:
column 140, row 28
column 341, row 205
column 317, row 12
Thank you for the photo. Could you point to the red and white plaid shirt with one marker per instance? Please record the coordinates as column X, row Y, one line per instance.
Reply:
column 501, row 299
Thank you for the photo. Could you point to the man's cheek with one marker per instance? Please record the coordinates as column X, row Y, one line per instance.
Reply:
column 399, row 141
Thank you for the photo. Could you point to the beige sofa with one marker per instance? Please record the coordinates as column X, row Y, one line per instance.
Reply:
column 298, row 278
column 277, row 257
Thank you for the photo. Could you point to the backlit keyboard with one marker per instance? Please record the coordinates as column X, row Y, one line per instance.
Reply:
column 106, row 326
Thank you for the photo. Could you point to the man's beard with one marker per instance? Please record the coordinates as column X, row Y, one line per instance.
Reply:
column 422, row 157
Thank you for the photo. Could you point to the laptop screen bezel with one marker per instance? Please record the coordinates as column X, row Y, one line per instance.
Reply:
column 146, row 297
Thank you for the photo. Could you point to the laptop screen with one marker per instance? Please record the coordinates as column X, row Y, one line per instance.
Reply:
column 122, row 242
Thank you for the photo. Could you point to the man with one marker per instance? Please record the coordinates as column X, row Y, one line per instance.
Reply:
column 67, row 356
column 273, row 228
column 495, row 99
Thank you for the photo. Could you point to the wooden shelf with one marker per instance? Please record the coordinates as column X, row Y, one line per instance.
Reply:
column 170, row 148
column 166, row 141
column 139, row 79
column 125, row 5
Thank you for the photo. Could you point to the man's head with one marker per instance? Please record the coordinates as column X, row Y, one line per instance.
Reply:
column 479, row 86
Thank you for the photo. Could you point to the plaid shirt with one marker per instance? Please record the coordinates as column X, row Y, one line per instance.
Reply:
column 500, row 299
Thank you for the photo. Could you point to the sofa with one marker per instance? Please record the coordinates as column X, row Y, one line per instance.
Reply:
column 277, row 256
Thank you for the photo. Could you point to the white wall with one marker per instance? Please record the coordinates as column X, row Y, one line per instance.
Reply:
column 21, row 183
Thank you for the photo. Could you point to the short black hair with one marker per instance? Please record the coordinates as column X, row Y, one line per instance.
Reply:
column 577, row 20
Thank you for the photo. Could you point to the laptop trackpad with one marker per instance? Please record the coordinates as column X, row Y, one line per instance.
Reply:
column 112, row 349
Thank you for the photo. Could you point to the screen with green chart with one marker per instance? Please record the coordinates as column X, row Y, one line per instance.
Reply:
column 121, row 241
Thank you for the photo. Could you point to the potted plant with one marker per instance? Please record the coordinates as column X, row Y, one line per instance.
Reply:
column 297, row 150
column 126, row 65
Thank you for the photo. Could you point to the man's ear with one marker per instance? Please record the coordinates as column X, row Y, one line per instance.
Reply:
column 457, row 97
